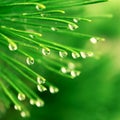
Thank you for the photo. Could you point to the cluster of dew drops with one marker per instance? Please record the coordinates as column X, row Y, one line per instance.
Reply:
column 39, row 102
column 41, row 81
column 65, row 70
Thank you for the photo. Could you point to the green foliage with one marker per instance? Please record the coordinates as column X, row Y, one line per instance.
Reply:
column 36, row 36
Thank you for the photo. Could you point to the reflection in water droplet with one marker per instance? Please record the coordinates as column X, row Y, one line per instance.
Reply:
column 63, row 70
column 41, row 80
column 83, row 55
column 32, row 101
column 75, row 55
column 72, row 27
column 25, row 114
column 71, row 65
column 17, row 107
column 42, row 15
column 31, row 36
column 21, row 96
column 74, row 73
column 41, row 88
column 90, row 54
column 45, row 51
column 39, row 103
column 12, row 46
column 75, row 20
column 40, row 6
column 53, row 89
column 53, row 29
column 30, row 60
column 93, row 40
column 63, row 54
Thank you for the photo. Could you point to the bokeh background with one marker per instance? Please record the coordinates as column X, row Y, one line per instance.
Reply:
column 95, row 94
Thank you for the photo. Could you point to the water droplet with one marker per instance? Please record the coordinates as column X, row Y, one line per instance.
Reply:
column 32, row 101
column 42, row 15
column 93, row 40
column 17, row 107
column 71, row 65
column 75, row 55
column 39, row 103
column 53, row 29
column 41, row 88
column 40, row 6
column 12, row 46
column 75, row 20
column 31, row 36
column 30, row 60
column 63, row 54
column 83, row 55
column 90, row 54
column 63, row 70
column 53, row 89
column 41, row 80
column 74, row 73
column 72, row 26
column 25, row 114
column 21, row 96
column 45, row 51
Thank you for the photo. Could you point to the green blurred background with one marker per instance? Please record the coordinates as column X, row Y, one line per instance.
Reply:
column 95, row 94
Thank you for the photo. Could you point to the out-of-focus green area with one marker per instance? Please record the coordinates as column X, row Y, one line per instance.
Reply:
column 95, row 94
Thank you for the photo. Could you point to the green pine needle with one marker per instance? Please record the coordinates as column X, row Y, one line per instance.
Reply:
column 24, row 25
